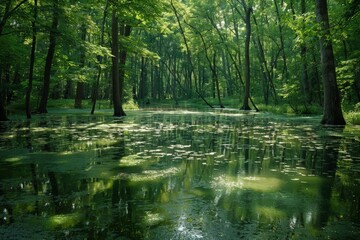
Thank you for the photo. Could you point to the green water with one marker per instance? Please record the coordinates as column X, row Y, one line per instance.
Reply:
column 178, row 175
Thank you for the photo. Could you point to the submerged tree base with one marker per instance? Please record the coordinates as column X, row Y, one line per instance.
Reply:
column 333, row 120
column 119, row 113
column 246, row 108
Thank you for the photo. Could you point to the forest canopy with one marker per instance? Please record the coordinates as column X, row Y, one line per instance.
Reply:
column 248, row 54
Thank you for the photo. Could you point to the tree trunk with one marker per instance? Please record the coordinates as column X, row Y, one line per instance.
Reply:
column 267, row 76
column 3, row 116
column 143, row 80
column 49, row 60
column 248, row 11
column 32, row 62
column 305, row 76
column 216, row 79
column 80, row 85
column 100, row 59
column 115, row 64
column 8, row 13
column 79, row 95
column 188, row 52
column 282, row 45
column 125, row 32
column 332, row 102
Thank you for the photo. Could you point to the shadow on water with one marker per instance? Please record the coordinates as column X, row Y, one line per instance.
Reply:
column 178, row 175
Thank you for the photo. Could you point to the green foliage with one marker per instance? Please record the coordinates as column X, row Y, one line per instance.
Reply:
column 12, row 50
column 347, row 72
column 305, row 27
column 353, row 115
column 213, row 30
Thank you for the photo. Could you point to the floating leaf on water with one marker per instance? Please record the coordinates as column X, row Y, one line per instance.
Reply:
column 149, row 175
column 64, row 220
column 270, row 212
column 263, row 184
column 153, row 219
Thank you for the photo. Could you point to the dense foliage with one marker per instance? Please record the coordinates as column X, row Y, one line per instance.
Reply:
column 258, row 52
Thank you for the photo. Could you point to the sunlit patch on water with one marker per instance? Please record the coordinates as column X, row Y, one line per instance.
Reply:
column 153, row 219
column 148, row 175
column 233, row 183
column 185, row 229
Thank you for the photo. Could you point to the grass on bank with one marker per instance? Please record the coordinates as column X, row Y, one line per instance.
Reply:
column 351, row 113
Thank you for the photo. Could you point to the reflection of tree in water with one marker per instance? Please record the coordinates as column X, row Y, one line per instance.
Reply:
column 328, row 169
column 347, row 184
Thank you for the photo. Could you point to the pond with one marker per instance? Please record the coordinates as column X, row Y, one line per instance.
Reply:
column 178, row 174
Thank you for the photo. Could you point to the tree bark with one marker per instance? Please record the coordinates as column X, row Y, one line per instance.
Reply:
column 115, row 64
column 32, row 62
column 303, row 53
column 80, row 85
column 248, row 11
column 143, row 80
column 100, row 59
column 188, row 52
column 267, row 76
column 8, row 13
column 216, row 79
column 49, row 60
column 282, row 45
column 125, row 32
column 332, row 102
column 3, row 116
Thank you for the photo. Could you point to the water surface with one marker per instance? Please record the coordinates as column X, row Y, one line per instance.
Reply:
column 178, row 175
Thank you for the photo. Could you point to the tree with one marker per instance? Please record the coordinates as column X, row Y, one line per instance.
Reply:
column 80, row 84
column 9, row 12
column 49, row 59
column 118, row 112
column 303, row 52
column 248, row 10
column 332, row 103
column 188, row 52
column 99, row 59
column 125, row 31
column 32, row 62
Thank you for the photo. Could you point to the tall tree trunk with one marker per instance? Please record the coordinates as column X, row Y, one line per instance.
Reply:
column 248, row 11
column 305, row 76
column 32, row 62
column 8, row 13
column 100, row 59
column 49, row 60
column 216, row 79
column 125, row 32
column 115, row 64
column 3, row 116
column 80, row 85
column 332, row 102
column 212, row 65
column 174, row 80
column 188, row 52
column 143, row 80
column 282, row 45
column 267, row 76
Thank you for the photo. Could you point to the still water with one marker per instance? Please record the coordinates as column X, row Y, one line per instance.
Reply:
column 178, row 175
